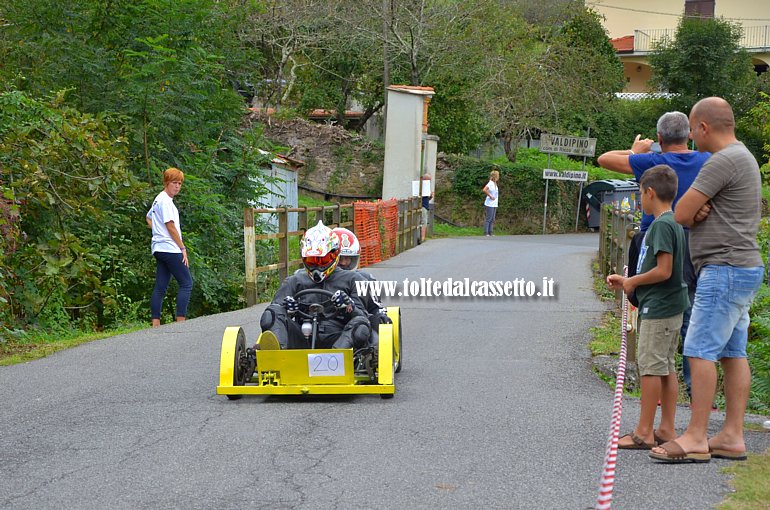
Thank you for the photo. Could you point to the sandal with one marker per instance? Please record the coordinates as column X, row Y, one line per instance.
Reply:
column 675, row 454
column 638, row 444
column 719, row 453
column 659, row 439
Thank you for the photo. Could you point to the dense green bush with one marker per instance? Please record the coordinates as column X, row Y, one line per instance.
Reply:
column 759, row 334
column 622, row 120
column 76, row 250
column 67, row 176
column 148, row 86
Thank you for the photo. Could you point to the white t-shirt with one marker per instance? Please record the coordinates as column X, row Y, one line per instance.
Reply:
column 492, row 188
column 162, row 211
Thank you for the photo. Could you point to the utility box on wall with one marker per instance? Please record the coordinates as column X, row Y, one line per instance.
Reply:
column 406, row 122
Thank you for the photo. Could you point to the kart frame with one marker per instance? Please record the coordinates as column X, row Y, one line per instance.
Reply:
column 307, row 371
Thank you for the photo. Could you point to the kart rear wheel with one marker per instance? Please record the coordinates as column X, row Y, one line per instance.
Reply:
column 399, row 356
column 386, row 396
column 394, row 312
column 240, row 377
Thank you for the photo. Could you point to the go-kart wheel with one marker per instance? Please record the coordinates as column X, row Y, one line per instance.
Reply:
column 394, row 312
column 388, row 396
column 399, row 356
column 240, row 377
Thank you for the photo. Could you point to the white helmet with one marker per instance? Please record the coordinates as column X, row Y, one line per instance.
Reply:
column 350, row 250
column 320, row 251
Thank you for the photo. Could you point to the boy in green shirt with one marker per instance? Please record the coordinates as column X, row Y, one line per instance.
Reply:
column 663, row 298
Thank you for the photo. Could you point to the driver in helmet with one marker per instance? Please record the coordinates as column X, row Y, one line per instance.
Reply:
column 350, row 252
column 349, row 327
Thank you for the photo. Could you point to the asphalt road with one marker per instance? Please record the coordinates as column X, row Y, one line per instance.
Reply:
column 497, row 407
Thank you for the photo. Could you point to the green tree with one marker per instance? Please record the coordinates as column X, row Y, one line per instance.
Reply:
column 705, row 59
column 152, row 84
column 550, row 79
column 757, row 123
column 67, row 177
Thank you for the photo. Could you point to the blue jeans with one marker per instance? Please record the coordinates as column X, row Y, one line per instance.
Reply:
column 719, row 322
column 683, row 334
column 489, row 220
column 169, row 264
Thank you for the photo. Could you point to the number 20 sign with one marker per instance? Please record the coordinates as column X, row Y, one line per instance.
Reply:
column 326, row 364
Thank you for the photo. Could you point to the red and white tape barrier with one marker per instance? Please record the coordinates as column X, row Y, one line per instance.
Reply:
column 607, row 483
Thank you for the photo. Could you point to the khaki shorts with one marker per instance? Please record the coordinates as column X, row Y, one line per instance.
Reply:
column 657, row 344
column 423, row 216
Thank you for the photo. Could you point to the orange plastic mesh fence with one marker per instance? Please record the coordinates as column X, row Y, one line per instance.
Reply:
column 367, row 230
column 389, row 221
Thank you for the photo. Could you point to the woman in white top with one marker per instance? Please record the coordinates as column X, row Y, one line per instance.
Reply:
column 490, row 204
column 168, row 249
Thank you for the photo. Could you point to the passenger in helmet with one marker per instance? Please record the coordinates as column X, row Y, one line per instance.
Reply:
column 350, row 249
column 350, row 252
column 350, row 327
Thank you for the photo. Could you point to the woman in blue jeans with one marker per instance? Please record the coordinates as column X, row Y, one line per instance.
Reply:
column 168, row 249
column 490, row 203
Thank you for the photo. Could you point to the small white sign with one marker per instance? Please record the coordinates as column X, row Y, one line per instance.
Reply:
column 565, row 176
column 326, row 364
column 425, row 188
column 415, row 188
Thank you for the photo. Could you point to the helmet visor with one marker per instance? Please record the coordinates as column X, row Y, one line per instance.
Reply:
column 320, row 261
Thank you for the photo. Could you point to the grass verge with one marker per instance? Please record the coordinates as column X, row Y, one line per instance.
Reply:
column 446, row 230
column 35, row 345
column 750, row 481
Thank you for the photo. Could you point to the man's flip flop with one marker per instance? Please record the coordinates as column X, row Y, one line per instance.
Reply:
column 719, row 453
column 638, row 443
column 676, row 455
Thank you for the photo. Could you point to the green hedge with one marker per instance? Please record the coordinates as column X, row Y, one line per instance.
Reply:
column 460, row 199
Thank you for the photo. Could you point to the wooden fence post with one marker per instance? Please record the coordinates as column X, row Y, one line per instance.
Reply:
column 283, row 243
column 415, row 206
column 302, row 219
column 336, row 216
column 401, row 224
column 353, row 218
column 250, row 251
column 602, row 241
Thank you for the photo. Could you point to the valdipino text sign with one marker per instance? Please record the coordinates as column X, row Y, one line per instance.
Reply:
column 565, row 176
column 573, row 145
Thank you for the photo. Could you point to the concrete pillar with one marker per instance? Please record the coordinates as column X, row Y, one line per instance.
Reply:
column 403, row 139
column 429, row 156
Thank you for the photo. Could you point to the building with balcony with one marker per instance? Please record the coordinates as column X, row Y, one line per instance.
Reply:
column 635, row 26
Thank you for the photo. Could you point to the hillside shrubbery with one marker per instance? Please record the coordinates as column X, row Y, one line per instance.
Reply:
column 460, row 199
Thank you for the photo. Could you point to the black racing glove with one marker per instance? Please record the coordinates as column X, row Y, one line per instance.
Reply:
column 383, row 317
column 291, row 305
column 341, row 300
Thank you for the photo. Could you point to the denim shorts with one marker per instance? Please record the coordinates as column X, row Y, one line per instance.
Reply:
column 719, row 322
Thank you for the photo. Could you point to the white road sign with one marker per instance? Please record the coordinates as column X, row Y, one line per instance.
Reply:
column 565, row 176
column 573, row 145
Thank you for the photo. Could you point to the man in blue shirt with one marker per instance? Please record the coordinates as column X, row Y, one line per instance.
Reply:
column 673, row 134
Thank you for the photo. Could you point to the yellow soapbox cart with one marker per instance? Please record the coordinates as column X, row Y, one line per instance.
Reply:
column 266, row 369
